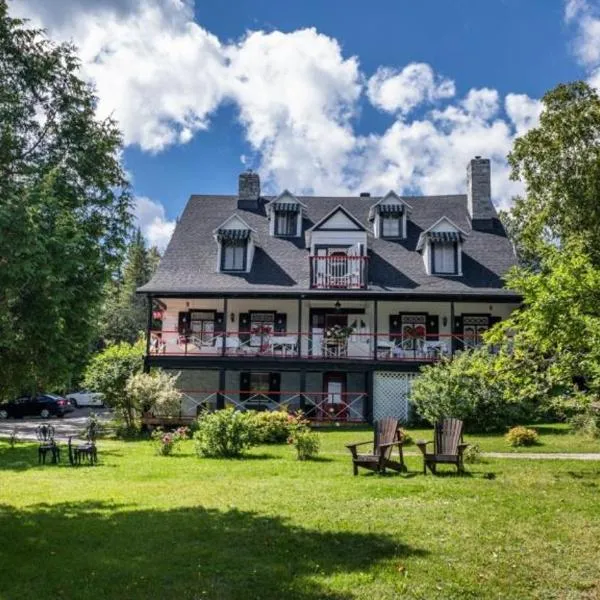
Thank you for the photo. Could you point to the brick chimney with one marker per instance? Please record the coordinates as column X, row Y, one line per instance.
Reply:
column 479, row 194
column 248, row 190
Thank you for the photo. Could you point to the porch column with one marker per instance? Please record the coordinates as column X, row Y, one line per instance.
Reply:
column 368, row 404
column 225, row 317
column 150, row 303
column 149, row 329
column 452, row 344
column 220, row 396
column 299, row 330
column 375, row 327
column 302, row 390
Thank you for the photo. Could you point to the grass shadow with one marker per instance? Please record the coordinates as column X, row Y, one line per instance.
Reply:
column 103, row 550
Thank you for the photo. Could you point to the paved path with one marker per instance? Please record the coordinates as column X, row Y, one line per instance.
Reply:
column 547, row 455
column 71, row 424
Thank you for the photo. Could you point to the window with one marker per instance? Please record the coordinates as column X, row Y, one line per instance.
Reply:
column 414, row 332
column 260, row 382
column 390, row 225
column 202, row 325
column 286, row 223
column 233, row 257
column 444, row 258
column 473, row 330
column 262, row 325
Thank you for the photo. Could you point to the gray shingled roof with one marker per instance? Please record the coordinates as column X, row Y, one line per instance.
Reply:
column 282, row 265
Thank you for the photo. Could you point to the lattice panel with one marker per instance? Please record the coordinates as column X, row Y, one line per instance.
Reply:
column 390, row 394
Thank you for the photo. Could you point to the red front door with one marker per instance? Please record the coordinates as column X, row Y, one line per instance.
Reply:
column 334, row 397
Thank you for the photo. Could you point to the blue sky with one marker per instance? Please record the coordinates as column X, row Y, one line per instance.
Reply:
column 324, row 97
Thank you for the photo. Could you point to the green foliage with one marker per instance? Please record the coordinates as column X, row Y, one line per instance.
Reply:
column 64, row 213
column 125, row 313
column 406, row 438
column 108, row 373
column 521, row 436
column 472, row 454
column 225, row 433
column 554, row 340
column 276, row 427
column 156, row 392
column 587, row 421
column 307, row 443
column 469, row 387
column 559, row 162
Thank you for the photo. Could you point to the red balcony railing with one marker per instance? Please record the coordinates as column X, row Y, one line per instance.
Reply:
column 314, row 345
column 321, row 407
column 338, row 272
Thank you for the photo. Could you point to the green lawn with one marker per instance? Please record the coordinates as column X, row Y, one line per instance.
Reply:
column 555, row 437
column 268, row 526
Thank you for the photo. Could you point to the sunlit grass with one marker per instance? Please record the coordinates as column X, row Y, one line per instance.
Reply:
column 267, row 526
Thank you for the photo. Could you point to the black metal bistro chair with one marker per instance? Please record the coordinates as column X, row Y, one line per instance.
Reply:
column 86, row 450
column 45, row 436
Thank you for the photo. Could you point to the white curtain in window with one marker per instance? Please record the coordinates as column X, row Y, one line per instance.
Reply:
column 234, row 258
column 444, row 258
column 390, row 227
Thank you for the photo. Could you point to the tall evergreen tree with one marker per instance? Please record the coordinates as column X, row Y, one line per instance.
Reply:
column 64, row 209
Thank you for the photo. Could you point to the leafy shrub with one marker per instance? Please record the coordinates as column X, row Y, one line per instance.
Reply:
column 306, row 442
column 472, row 454
column 276, row 427
column 108, row 373
column 156, row 392
column 93, row 427
column 587, row 422
column 467, row 387
column 166, row 442
column 225, row 433
column 406, row 438
column 521, row 436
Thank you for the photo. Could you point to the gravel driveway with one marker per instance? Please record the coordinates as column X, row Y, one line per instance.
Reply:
column 70, row 425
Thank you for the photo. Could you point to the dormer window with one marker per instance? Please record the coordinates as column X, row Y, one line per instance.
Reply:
column 441, row 247
column 285, row 215
column 234, row 249
column 286, row 220
column 391, row 224
column 444, row 255
column 389, row 217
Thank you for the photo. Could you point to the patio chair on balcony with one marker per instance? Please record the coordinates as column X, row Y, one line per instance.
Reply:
column 386, row 435
column 448, row 446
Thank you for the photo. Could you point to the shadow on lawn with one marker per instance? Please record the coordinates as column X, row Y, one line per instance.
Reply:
column 102, row 550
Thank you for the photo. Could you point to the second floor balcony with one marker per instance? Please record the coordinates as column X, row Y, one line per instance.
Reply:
column 339, row 270
column 328, row 344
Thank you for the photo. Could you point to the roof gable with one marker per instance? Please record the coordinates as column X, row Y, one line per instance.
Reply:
column 339, row 219
column 234, row 222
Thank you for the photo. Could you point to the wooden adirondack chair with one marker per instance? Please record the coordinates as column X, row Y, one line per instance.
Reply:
column 385, row 436
column 448, row 446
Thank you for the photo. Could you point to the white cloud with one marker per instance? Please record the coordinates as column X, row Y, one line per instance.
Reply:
column 585, row 17
column 162, row 76
column 151, row 218
column 296, row 95
column 523, row 111
column 155, row 70
column 401, row 91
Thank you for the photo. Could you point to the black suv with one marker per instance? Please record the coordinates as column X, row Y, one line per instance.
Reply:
column 43, row 405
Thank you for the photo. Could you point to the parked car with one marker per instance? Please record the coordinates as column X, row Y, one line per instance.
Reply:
column 43, row 405
column 85, row 398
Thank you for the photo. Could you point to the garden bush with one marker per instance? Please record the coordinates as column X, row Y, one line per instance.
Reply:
column 587, row 422
column 166, row 442
column 306, row 442
column 225, row 433
column 521, row 436
column 468, row 387
column 472, row 454
column 276, row 427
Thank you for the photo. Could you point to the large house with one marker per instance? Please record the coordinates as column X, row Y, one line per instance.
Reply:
column 328, row 304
